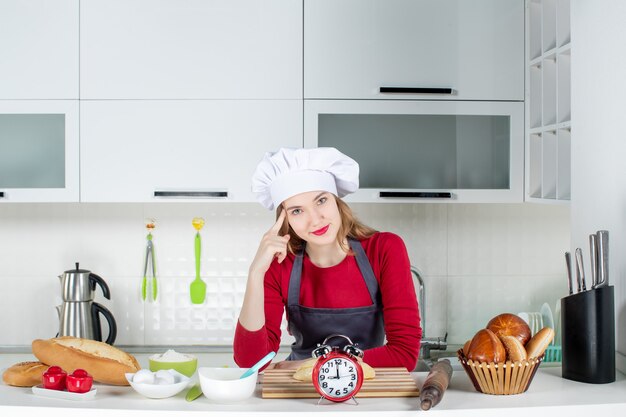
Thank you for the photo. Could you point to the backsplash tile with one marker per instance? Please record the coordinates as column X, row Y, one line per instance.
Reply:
column 476, row 260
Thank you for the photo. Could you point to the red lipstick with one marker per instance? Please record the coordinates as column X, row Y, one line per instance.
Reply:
column 321, row 231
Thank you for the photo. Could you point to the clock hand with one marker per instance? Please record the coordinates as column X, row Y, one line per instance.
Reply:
column 337, row 373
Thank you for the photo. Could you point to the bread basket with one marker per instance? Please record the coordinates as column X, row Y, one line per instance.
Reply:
column 505, row 378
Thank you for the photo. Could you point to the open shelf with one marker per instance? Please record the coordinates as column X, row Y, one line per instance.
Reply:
column 548, row 73
column 563, row 77
column 564, row 164
column 548, row 177
column 548, row 25
column 563, row 32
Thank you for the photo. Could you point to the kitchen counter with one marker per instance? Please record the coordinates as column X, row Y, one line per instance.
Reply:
column 549, row 394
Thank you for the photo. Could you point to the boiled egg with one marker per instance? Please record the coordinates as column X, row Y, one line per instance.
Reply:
column 144, row 376
column 164, row 378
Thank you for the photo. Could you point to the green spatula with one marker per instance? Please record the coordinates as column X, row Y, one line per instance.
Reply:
column 198, row 287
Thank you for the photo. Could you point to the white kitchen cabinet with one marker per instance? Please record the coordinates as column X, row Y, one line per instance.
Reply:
column 38, row 49
column 39, row 151
column 193, row 49
column 425, row 151
column 353, row 48
column 548, row 103
column 180, row 150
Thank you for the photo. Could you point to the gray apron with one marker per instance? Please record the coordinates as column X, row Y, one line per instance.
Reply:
column 310, row 326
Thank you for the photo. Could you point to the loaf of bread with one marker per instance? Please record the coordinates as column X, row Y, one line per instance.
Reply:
column 486, row 347
column 508, row 324
column 107, row 364
column 24, row 374
column 515, row 351
column 539, row 342
column 305, row 371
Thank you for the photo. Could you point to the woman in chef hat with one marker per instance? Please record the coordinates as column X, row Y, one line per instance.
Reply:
column 330, row 273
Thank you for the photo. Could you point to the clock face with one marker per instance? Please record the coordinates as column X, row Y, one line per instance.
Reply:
column 338, row 378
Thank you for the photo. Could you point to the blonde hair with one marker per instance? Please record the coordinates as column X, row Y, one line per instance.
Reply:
column 351, row 227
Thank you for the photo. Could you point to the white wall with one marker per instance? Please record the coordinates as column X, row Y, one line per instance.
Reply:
column 598, row 138
column 478, row 260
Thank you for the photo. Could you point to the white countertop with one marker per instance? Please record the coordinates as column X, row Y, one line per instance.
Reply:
column 549, row 394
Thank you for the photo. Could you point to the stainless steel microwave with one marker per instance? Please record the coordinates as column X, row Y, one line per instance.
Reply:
column 425, row 151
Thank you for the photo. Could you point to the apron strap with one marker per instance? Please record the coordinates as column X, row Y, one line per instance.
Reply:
column 366, row 269
column 293, row 294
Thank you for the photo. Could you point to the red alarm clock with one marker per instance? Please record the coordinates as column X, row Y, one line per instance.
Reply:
column 337, row 374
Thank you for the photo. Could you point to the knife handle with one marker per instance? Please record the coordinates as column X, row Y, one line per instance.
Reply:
column 603, row 258
column 593, row 259
column 580, row 270
column 568, row 266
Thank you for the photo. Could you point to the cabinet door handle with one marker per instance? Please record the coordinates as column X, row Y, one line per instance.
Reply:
column 414, row 194
column 191, row 194
column 416, row 90
column 1, row 194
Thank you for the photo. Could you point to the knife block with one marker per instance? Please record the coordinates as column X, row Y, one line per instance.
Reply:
column 588, row 336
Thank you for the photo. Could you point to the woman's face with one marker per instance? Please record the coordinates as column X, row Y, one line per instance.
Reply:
column 314, row 217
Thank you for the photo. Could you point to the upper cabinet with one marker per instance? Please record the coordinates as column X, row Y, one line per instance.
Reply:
column 414, row 49
column 193, row 49
column 180, row 150
column 38, row 49
column 39, row 151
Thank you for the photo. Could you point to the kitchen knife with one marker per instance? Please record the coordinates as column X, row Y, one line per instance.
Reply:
column 593, row 259
column 603, row 258
column 568, row 265
column 580, row 270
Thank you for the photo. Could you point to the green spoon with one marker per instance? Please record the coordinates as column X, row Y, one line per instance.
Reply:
column 198, row 287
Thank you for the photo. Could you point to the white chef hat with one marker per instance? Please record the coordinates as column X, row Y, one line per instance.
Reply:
column 287, row 172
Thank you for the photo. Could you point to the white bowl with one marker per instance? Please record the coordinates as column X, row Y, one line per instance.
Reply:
column 160, row 391
column 222, row 385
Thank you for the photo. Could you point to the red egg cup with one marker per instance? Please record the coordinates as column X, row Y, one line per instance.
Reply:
column 79, row 381
column 54, row 378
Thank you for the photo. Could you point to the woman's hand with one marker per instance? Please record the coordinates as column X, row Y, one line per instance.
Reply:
column 272, row 245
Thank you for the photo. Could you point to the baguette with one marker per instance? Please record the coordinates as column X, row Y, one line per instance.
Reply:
column 24, row 374
column 104, row 362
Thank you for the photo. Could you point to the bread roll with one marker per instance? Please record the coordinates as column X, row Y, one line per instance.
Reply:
column 305, row 371
column 24, row 374
column 540, row 341
column 466, row 347
column 514, row 349
column 104, row 362
column 486, row 347
column 510, row 325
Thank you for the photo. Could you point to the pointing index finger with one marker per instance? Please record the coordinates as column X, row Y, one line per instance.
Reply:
column 279, row 222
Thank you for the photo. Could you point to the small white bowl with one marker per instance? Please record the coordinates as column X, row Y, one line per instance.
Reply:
column 222, row 385
column 160, row 391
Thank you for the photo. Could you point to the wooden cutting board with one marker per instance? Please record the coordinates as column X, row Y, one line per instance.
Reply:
column 389, row 382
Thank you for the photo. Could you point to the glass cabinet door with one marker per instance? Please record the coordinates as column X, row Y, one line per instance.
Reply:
column 39, row 151
column 456, row 151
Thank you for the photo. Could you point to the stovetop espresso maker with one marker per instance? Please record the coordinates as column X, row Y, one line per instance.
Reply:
column 79, row 315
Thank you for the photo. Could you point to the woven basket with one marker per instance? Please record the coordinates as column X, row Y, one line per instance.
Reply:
column 505, row 378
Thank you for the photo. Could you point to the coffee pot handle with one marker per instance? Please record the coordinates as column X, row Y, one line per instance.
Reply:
column 97, row 330
column 95, row 279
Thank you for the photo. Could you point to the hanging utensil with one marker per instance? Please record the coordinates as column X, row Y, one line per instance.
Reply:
column 603, row 258
column 197, row 288
column 150, row 225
